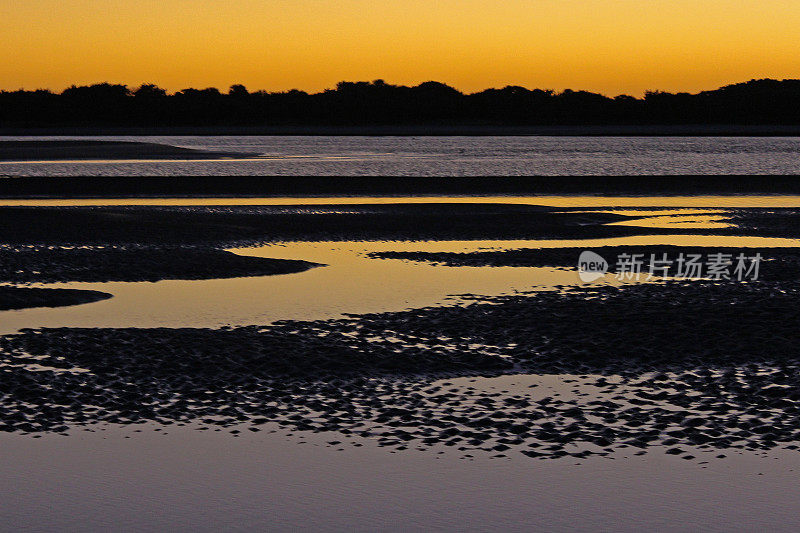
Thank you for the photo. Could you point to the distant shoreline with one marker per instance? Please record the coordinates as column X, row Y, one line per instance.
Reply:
column 477, row 130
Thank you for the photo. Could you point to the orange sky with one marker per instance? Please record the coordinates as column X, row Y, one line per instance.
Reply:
column 609, row 46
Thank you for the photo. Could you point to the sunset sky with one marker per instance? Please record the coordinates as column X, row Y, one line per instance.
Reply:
column 608, row 46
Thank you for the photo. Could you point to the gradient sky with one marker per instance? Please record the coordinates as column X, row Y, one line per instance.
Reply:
column 608, row 46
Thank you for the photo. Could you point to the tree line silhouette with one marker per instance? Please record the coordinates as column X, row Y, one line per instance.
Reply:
column 763, row 101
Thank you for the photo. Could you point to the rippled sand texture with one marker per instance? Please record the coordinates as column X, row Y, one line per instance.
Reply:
column 696, row 384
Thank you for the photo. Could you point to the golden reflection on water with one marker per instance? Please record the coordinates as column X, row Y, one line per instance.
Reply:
column 351, row 282
column 727, row 201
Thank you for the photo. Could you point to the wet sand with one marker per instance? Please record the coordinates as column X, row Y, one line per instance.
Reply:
column 694, row 386
column 312, row 186
column 53, row 265
column 248, row 225
column 100, row 150
column 25, row 297
column 380, row 375
column 776, row 263
column 243, row 225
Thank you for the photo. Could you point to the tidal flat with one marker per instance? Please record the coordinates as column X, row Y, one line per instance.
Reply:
column 408, row 337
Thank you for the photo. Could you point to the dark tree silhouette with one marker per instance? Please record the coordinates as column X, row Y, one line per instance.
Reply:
column 768, row 102
column 149, row 91
column 238, row 91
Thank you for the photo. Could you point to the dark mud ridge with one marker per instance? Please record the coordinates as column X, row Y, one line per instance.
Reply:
column 224, row 226
column 310, row 186
column 771, row 222
column 50, row 265
column 24, row 297
column 776, row 263
column 76, row 150
column 691, row 369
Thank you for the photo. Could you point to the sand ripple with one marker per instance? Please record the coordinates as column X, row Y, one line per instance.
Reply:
column 688, row 369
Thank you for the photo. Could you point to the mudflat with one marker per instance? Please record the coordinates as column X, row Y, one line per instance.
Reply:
column 653, row 367
column 102, row 150
column 345, row 186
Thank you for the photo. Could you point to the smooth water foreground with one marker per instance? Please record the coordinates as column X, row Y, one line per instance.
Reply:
column 442, row 156
column 185, row 480
column 155, row 477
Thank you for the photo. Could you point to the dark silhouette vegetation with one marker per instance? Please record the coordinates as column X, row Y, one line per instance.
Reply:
column 757, row 102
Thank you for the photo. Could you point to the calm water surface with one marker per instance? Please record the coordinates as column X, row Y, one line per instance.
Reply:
column 446, row 156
